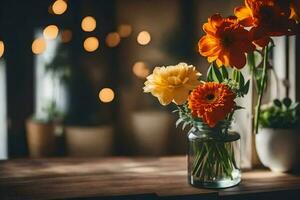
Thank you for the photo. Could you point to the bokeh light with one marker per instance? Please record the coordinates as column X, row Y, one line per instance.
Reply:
column 59, row 7
column 143, row 38
column 50, row 32
column 91, row 44
column 88, row 24
column 141, row 70
column 112, row 39
column 38, row 46
column 106, row 95
column 1, row 48
column 124, row 30
column 66, row 36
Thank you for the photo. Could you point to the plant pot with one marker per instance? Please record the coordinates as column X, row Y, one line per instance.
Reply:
column 278, row 148
column 151, row 130
column 89, row 141
column 40, row 138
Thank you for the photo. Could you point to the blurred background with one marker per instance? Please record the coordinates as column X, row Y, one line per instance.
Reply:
column 72, row 72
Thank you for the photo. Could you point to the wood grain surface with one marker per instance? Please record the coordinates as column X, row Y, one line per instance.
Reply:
column 126, row 178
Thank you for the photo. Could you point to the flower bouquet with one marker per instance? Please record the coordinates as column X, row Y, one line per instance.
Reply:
column 208, row 106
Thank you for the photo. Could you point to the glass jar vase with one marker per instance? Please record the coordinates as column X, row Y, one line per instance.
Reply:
column 213, row 158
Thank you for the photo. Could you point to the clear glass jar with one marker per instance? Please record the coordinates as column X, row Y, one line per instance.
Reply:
column 213, row 158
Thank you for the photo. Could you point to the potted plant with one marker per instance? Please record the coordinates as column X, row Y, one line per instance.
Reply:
column 41, row 127
column 278, row 139
column 41, row 131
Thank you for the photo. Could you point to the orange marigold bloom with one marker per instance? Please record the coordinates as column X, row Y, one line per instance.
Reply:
column 268, row 18
column 225, row 42
column 211, row 102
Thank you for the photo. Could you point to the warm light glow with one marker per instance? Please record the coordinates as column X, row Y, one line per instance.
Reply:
column 59, row 7
column 143, row 38
column 38, row 46
column 124, row 30
column 66, row 36
column 50, row 32
column 106, row 95
column 88, row 24
column 113, row 39
column 140, row 69
column 1, row 48
column 91, row 44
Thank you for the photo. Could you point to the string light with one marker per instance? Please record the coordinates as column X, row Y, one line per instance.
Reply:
column 50, row 32
column 88, row 24
column 124, row 30
column 66, row 36
column 143, row 38
column 59, row 7
column 38, row 46
column 2, row 48
column 91, row 44
column 113, row 39
column 106, row 95
column 141, row 70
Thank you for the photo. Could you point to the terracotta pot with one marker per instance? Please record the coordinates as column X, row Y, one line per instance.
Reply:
column 89, row 141
column 40, row 138
column 278, row 149
column 151, row 130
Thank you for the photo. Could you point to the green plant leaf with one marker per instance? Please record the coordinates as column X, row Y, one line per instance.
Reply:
column 238, row 77
column 287, row 102
column 277, row 103
column 246, row 87
column 294, row 106
column 178, row 122
column 224, row 72
column 216, row 74
column 209, row 73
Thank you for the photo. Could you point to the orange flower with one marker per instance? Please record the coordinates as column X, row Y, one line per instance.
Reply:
column 267, row 17
column 295, row 10
column 225, row 42
column 211, row 102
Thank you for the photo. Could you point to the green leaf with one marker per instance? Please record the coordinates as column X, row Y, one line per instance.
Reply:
column 239, row 107
column 245, row 89
column 235, row 75
column 216, row 74
column 209, row 74
column 224, row 72
column 251, row 61
column 287, row 102
column 241, row 80
column 178, row 122
column 184, row 125
column 277, row 103
column 294, row 106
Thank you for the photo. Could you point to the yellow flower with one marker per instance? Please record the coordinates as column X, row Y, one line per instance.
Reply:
column 172, row 83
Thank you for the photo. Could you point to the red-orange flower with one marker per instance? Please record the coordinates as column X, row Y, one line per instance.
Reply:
column 295, row 10
column 267, row 17
column 211, row 102
column 225, row 42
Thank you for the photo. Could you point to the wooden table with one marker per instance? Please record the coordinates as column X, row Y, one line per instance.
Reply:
column 128, row 178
